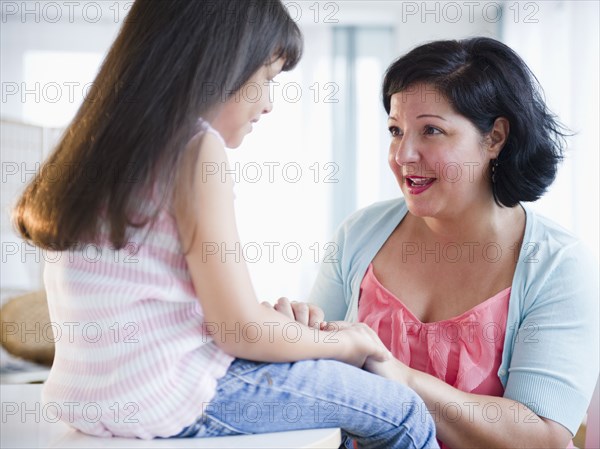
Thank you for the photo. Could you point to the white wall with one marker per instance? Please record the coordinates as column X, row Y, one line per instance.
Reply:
column 18, row 38
column 561, row 44
column 40, row 99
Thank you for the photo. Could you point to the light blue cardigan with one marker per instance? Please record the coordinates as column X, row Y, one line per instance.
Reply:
column 551, row 349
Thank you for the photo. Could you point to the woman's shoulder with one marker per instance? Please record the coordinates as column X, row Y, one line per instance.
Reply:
column 544, row 227
column 374, row 216
column 552, row 257
column 365, row 230
column 551, row 238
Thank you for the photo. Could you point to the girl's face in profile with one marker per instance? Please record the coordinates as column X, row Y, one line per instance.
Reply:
column 245, row 107
column 436, row 154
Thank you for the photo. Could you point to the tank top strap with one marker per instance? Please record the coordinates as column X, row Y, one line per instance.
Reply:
column 205, row 127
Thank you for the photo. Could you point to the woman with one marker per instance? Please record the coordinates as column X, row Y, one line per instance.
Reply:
column 490, row 311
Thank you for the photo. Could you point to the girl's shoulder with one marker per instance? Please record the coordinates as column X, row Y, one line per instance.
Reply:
column 204, row 127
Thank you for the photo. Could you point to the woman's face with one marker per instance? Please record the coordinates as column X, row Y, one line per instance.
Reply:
column 245, row 107
column 436, row 154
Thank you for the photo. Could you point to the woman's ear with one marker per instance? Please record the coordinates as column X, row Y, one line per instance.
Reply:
column 497, row 136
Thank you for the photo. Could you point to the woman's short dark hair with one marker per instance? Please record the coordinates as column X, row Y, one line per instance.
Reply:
column 484, row 79
column 173, row 62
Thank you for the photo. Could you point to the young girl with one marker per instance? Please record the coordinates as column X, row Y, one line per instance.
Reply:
column 156, row 336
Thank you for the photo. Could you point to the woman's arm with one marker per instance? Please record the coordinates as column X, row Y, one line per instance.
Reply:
column 552, row 370
column 466, row 420
column 232, row 315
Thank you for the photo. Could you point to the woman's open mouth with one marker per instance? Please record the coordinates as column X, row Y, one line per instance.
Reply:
column 418, row 184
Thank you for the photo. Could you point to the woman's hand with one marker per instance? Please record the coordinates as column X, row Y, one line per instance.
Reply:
column 304, row 313
column 359, row 342
column 388, row 366
column 391, row 368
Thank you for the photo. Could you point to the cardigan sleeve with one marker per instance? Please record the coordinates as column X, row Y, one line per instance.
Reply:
column 328, row 291
column 356, row 241
column 554, row 365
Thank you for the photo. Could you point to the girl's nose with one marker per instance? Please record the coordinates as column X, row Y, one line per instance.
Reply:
column 268, row 107
column 267, row 101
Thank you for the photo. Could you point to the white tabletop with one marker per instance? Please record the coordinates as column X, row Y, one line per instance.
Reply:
column 24, row 426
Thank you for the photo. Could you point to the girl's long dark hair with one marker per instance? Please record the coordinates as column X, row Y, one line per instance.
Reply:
column 173, row 62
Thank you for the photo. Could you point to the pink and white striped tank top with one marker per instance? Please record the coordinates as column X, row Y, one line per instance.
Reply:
column 131, row 357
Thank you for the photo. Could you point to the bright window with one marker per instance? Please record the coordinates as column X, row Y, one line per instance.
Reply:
column 55, row 84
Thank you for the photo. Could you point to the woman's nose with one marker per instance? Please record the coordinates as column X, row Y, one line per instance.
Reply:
column 404, row 150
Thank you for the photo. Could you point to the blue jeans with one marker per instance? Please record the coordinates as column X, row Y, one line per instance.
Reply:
column 272, row 397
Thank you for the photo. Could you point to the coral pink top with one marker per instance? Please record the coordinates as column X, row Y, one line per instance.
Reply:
column 464, row 351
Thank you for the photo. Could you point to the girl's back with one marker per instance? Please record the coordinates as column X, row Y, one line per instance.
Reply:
column 128, row 330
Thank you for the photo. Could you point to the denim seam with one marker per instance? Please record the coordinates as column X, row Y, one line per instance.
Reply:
column 282, row 389
column 232, row 373
column 409, row 435
column 225, row 425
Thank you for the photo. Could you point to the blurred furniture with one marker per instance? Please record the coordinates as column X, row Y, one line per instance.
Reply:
column 26, row 330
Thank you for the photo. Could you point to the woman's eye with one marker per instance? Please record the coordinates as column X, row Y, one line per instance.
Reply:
column 394, row 131
column 432, row 130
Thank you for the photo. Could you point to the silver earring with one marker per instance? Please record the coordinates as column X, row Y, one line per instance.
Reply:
column 494, row 169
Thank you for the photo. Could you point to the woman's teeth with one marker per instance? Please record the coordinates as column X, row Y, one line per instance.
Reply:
column 419, row 182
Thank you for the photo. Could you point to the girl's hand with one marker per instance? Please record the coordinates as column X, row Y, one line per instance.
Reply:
column 308, row 314
column 359, row 343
